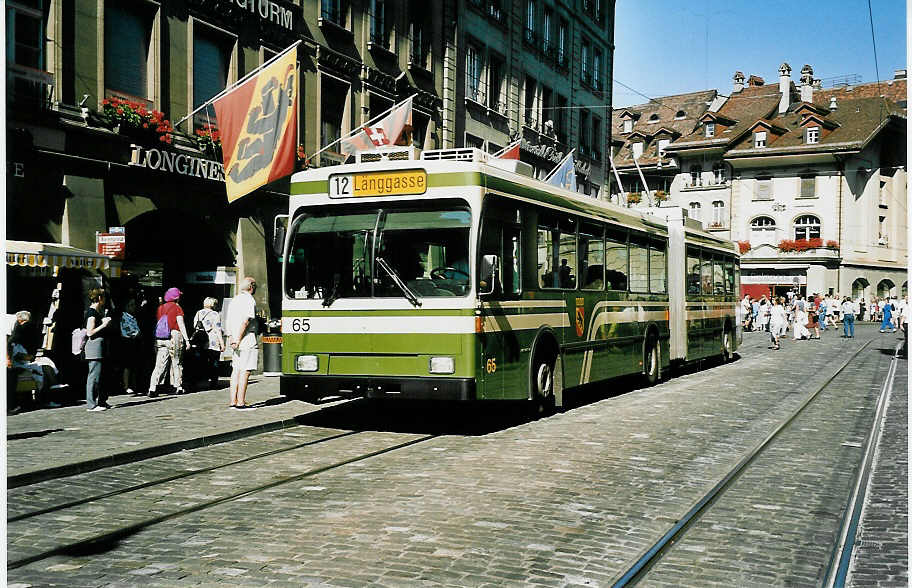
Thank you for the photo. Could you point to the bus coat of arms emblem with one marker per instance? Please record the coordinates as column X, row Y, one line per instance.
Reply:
column 580, row 317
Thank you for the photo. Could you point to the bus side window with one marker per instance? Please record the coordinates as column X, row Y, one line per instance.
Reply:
column 706, row 273
column 657, row 270
column 616, row 260
column 718, row 276
column 729, row 276
column 693, row 272
column 557, row 257
column 591, row 258
column 639, row 264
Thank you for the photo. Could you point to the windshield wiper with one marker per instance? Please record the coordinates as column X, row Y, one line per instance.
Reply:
column 411, row 296
column 334, row 293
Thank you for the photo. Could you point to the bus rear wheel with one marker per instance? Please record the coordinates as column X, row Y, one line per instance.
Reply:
column 726, row 345
column 651, row 362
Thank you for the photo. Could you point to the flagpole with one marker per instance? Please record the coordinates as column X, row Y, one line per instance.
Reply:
column 361, row 127
column 558, row 166
column 234, row 86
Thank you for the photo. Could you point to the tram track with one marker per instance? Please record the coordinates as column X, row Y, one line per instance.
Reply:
column 648, row 558
column 97, row 540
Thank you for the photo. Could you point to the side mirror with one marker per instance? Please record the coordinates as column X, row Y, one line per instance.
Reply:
column 490, row 266
column 279, row 225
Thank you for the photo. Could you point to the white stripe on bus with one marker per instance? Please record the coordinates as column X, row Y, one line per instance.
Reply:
column 525, row 322
column 324, row 325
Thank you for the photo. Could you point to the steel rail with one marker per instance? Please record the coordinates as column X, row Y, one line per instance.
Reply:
column 128, row 530
column 635, row 572
column 838, row 568
column 187, row 474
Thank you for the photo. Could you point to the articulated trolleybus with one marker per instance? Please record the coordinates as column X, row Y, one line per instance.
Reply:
column 453, row 275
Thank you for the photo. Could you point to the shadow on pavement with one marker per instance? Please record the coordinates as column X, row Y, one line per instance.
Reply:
column 31, row 434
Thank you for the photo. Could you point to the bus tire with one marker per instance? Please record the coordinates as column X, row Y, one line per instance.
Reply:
column 651, row 361
column 547, row 384
column 726, row 344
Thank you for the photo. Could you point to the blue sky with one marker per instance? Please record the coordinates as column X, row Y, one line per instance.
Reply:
column 665, row 47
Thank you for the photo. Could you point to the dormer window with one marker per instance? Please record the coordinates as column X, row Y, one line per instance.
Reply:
column 663, row 143
column 637, row 150
column 813, row 135
column 710, row 129
column 679, row 115
column 759, row 139
column 628, row 126
column 654, row 118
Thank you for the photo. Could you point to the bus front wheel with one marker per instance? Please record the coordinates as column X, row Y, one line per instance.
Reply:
column 547, row 384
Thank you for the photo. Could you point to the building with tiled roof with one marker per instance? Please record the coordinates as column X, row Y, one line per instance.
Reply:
column 812, row 182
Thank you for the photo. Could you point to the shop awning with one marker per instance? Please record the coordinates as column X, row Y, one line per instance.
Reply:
column 57, row 256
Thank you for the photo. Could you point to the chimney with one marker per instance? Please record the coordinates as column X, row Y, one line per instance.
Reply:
column 785, row 87
column 754, row 80
column 833, row 105
column 807, row 83
column 899, row 74
column 739, row 82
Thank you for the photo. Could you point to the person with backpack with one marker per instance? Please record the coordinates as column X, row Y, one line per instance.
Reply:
column 96, row 321
column 171, row 340
column 208, row 337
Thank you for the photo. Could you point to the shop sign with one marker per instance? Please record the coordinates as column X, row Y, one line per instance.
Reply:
column 114, row 245
column 268, row 11
column 179, row 163
column 117, row 230
column 16, row 169
column 555, row 156
column 786, row 280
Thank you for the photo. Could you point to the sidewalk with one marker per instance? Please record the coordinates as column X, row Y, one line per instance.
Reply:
column 49, row 443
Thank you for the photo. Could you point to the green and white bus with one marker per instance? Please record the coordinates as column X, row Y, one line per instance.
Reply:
column 453, row 275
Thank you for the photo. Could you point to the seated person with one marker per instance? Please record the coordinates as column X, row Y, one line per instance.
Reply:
column 22, row 349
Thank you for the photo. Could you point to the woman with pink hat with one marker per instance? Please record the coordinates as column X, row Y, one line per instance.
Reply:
column 171, row 341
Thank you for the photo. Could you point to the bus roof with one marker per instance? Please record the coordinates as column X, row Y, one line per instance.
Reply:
column 448, row 168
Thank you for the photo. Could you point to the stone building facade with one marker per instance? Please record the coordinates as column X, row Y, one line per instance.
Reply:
column 811, row 182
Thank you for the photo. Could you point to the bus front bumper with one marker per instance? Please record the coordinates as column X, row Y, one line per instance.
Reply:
column 311, row 388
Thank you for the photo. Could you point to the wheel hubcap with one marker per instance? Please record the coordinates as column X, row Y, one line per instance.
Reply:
column 543, row 380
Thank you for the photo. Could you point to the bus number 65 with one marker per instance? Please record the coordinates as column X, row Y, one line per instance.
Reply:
column 300, row 325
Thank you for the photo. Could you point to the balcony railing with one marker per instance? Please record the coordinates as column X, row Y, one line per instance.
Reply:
column 28, row 88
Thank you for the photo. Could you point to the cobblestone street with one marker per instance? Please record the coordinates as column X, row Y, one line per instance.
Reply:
column 364, row 495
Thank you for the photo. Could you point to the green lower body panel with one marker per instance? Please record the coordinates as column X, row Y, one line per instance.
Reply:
column 311, row 388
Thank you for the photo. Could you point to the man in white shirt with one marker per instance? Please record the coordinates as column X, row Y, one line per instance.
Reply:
column 241, row 327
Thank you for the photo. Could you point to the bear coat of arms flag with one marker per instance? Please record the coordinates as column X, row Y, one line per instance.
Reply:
column 393, row 129
column 258, row 122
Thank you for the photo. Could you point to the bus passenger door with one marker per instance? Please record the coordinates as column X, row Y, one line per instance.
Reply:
column 502, row 370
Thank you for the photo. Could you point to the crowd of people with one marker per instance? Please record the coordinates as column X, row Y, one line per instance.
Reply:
column 807, row 317
column 138, row 347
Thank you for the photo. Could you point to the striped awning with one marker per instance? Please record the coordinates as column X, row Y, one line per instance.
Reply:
column 57, row 256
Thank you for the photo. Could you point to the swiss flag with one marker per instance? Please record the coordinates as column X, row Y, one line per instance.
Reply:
column 393, row 129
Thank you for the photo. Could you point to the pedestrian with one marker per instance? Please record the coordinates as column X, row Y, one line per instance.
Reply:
column 778, row 322
column 822, row 314
column 130, row 346
column 242, row 324
column 755, row 310
column 171, row 340
column 96, row 321
column 887, row 322
column 208, row 322
column 745, row 312
column 764, row 313
column 813, row 317
column 848, row 318
column 799, row 321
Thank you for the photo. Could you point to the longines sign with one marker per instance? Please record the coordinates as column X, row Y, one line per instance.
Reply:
column 178, row 163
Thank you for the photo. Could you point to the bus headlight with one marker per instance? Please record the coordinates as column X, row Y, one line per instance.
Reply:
column 441, row 365
column 307, row 363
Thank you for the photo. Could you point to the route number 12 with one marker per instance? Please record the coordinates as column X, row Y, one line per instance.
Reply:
column 340, row 186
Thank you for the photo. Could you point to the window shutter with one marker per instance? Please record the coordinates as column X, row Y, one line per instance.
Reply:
column 126, row 50
column 807, row 187
column 210, row 68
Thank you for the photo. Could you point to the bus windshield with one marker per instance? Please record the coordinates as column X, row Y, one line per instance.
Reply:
column 335, row 255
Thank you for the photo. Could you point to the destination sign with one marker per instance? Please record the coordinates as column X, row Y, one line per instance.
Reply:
column 391, row 183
